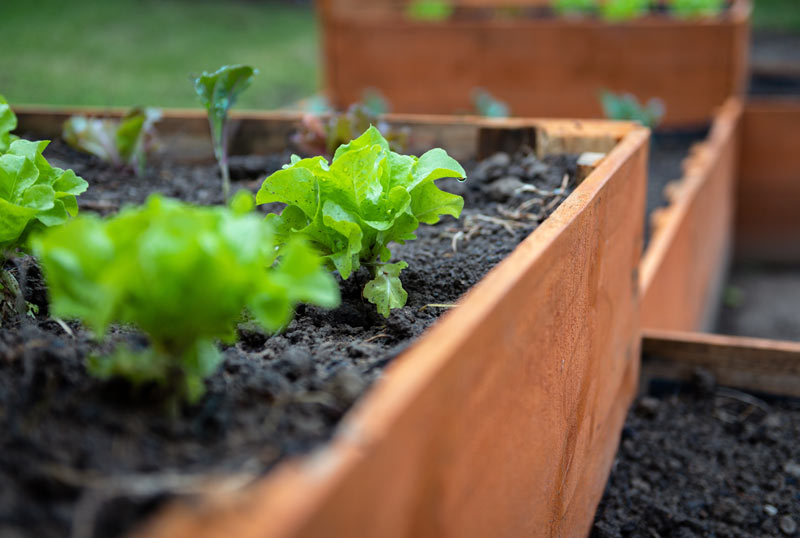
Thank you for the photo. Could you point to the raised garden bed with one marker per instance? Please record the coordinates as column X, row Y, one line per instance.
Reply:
column 700, row 458
column 548, row 340
column 747, row 168
column 541, row 66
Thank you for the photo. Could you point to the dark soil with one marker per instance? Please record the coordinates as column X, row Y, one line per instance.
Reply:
column 668, row 149
column 775, row 63
column 762, row 301
column 81, row 455
column 705, row 461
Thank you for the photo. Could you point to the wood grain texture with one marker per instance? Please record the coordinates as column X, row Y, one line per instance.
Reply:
column 768, row 191
column 754, row 364
column 686, row 261
column 501, row 420
column 540, row 67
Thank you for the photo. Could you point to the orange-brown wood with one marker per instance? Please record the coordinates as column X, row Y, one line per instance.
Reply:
column 768, row 191
column 754, row 364
column 504, row 418
column 686, row 260
column 541, row 67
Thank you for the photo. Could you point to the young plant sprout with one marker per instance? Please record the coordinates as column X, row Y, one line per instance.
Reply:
column 429, row 10
column 321, row 136
column 183, row 275
column 696, row 8
column 218, row 92
column 626, row 107
column 352, row 208
column 623, row 10
column 574, row 7
column 33, row 195
column 123, row 143
column 488, row 106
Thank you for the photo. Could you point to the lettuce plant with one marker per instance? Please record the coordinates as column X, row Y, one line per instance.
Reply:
column 183, row 275
column 33, row 195
column 574, row 7
column 218, row 92
column 429, row 10
column 123, row 143
column 623, row 10
column 321, row 136
column 626, row 107
column 352, row 208
column 696, row 8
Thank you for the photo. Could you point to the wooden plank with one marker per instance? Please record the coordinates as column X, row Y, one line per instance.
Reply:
column 768, row 191
column 686, row 262
column 549, row 67
column 754, row 364
column 503, row 419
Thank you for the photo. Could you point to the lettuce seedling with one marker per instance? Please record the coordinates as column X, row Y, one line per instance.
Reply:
column 218, row 92
column 488, row 106
column 183, row 275
column 696, row 8
column 33, row 195
column 8, row 122
column 623, row 10
column 123, row 143
column 626, row 107
column 365, row 199
column 320, row 136
column 429, row 10
column 574, row 7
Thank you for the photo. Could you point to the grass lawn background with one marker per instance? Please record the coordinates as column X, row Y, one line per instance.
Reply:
column 141, row 52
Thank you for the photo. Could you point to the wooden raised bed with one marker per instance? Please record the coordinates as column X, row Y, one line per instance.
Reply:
column 749, row 167
column 546, row 67
column 504, row 418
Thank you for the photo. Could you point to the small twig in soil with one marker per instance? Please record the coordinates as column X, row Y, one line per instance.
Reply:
column 373, row 338
column 508, row 225
column 456, row 238
column 64, row 326
column 437, row 305
column 743, row 397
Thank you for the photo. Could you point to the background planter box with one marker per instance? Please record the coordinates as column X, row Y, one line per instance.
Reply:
column 550, row 67
column 749, row 167
column 504, row 418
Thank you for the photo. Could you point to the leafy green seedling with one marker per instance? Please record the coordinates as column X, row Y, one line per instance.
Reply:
column 488, row 106
column 574, row 7
column 183, row 275
column 696, row 8
column 321, row 136
column 626, row 107
column 623, row 10
column 429, row 10
column 33, row 195
column 8, row 122
column 218, row 92
column 123, row 143
column 365, row 199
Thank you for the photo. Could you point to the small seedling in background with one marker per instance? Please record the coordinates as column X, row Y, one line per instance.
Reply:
column 696, row 8
column 123, row 143
column 733, row 297
column 375, row 102
column 626, row 107
column 183, row 275
column 321, row 136
column 218, row 92
column 365, row 199
column 623, row 10
column 33, row 196
column 429, row 10
column 574, row 7
column 488, row 106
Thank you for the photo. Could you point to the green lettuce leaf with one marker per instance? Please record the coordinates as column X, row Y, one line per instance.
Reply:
column 352, row 208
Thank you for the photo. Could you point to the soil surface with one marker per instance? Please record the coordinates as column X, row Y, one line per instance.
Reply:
column 668, row 150
column 775, row 63
column 762, row 301
column 705, row 461
column 91, row 458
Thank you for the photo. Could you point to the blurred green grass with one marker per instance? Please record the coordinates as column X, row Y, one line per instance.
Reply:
column 141, row 52
column 777, row 15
